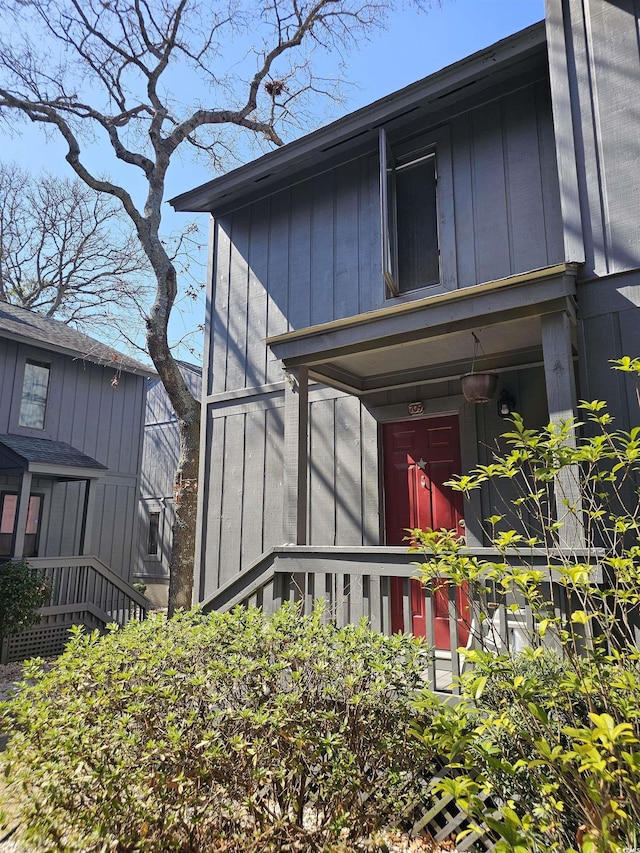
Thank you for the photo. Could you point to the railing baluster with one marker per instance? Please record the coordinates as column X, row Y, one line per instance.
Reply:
column 385, row 604
column 406, row 604
column 375, row 603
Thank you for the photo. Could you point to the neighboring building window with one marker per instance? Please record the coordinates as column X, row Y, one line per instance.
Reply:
column 8, row 517
column 153, row 537
column 35, row 390
column 411, row 257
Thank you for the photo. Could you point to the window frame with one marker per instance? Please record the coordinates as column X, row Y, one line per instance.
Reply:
column 32, row 362
column 152, row 506
column 158, row 535
column 53, row 410
column 401, row 154
column 9, row 491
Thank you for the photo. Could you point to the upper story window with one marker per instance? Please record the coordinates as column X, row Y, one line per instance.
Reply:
column 35, row 392
column 410, row 230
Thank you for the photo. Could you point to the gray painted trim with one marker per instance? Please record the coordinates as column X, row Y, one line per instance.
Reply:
column 21, row 521
column 357, row 385
column 273, row 400
column 562, row 405
column 426, row 318
column 97, row 565
column 435, row 406
column 296, row 442
column 251, row 391
column 376, row 561
column 205, row 445
column 564, row 135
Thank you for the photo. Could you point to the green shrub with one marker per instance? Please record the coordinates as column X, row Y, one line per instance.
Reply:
column 553, row 740
column 235, row 729
column 22, row 592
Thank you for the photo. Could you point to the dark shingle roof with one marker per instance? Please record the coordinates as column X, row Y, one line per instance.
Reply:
column 29, row 327
column 44, row 451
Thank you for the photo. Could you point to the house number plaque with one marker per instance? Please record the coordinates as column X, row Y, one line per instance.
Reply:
column 416, row 408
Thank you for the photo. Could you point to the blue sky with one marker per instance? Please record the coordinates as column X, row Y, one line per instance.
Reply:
column 414, row 45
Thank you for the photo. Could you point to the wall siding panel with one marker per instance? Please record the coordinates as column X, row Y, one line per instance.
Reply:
column 277, row 278
column 347, row 215
column 551, row 209
column 615, row 69
column 299, row 297
column 210, row 578
column 217, row 373
column 348, row 476
column 232, row 498
column 323, row 237
column 253, row 488
column 322, row 473
column 524, row 182
column 371, row 286
column 257, row 304
column 462, row 154
column 273, row 471
column 493, row 259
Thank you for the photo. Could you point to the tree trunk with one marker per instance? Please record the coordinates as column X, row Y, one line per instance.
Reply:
column 185, row 495
column 187, row 410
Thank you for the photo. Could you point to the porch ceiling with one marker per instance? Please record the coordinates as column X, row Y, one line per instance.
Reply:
column 431, row 339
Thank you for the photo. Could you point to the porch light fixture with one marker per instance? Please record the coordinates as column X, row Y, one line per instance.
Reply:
column 478, row 387
column 506, row 404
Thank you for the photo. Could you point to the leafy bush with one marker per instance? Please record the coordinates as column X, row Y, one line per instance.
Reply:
column 553, row 739
column 236, row 730
column 22, row 592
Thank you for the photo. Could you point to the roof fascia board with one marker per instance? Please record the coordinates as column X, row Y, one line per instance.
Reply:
column 69, row 472
column 487, row 61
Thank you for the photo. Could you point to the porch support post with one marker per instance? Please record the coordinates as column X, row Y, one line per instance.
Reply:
column 86, row 527
column 21, row 520
column 561, row 400
column 296, row 418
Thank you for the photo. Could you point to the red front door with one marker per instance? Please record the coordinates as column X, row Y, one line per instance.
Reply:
column 419, row 456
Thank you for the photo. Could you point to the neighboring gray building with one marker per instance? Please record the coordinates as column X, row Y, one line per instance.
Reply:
column 159, row 463
column 71, row 431
column 352, row 268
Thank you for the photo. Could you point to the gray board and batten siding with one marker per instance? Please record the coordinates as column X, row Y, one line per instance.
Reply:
column 310, row 254
column 157, row 477
column 537, row 153
column 595, row 75
column 96, row 405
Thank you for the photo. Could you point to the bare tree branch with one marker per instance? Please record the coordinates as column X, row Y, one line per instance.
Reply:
column 146, row 76
column 66, row 251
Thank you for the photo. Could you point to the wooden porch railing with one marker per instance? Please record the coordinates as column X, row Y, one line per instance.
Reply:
column 83, row 591
column 355, row 583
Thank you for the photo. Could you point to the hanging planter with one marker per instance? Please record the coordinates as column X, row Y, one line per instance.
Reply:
column 479, row 387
